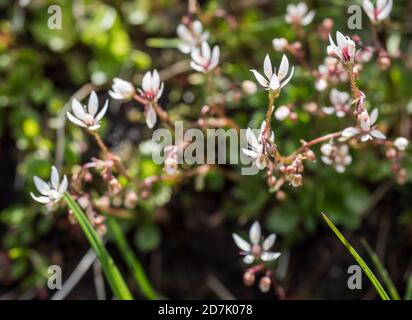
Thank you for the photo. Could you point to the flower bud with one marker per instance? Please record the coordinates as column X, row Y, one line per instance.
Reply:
column 296, row 180
column 280, row 195
column 130, row 200
column 279, row 44
column 401, row 143
column 402, row 177
column 249, row 87
column 249, row 278
column 264, row 284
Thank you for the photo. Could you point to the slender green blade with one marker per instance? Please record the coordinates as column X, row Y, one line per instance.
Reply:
column 408, row 292
column 358, row 259
column 112, row 273
column 382, row 271
column 131, row 260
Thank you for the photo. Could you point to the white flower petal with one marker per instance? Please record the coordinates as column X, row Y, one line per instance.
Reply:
column 377, row 134
column 155, row 81
column 54, row 178
column 151, row 117
column 269, row 256
column 308, row 18
column 75, row 120
column 263, row 82
column 248, row 259
column 215, row 58
column 274, row 83
column 269, row 242
column 249, row 153
column 63, row 185
column 102, row 112
column 283, row 68
column 41, row 186
column 350, row 132
column 255, row 233
column 41, row 199
column 147, row 81
column 78, row 109
column 93, row 104
column 241, row 243
column 267, row 67
column 374, row 116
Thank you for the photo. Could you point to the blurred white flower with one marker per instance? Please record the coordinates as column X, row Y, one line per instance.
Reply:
column 282, row 113
column 205, row 59
column 191, row 37
column 340, row 103
column 279, row 44
column 379, row 12
column 88, row 117
column 255, row 147
column 122, row 90
column 298, row 14
column 366, row 127
column 256, row 249
column 345, row 50
column 401, row 143
column 152, row 89
column 338, row 156
column 271, row 80
column 51, row 192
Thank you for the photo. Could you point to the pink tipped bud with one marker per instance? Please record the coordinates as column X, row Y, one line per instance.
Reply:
column 249, row 278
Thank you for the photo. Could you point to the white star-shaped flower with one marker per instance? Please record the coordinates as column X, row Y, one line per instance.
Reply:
column 272, row 80
column 52, row 191
column 257, row 249
column 87, row 117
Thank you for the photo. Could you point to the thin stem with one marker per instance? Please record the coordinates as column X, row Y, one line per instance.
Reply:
column 272, row 97
column 355, row 90
column 108, row 154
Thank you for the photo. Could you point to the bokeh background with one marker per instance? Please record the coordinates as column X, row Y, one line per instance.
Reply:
column 182, row 232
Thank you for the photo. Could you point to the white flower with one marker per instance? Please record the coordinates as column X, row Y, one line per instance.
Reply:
column 121, row 90
column 282, row 113
column 88, row 117
column 340, row 103
column 255, row 147
column 345, row 50
column 366, row 127
column 380, row 12
column 205, row 59
column 401, row 143
column 50, row 192
column 298, row 14
column 273, row 81
column 279, row 44
column 152, row 89
column 338, row 156
column 191, row 37
column 256, row 249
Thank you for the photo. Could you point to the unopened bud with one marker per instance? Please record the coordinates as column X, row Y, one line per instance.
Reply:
column 264, row 284
column 249, row 278
column 280, row 195
column 130, row 199
column 402, row 177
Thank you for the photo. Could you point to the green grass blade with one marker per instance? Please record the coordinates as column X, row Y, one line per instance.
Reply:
column 130, row 258
column 408, row 292
column 382, row 271
column 112, row 273
column 359, row 260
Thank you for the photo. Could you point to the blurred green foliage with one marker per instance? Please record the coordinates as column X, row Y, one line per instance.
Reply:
column 41, row 68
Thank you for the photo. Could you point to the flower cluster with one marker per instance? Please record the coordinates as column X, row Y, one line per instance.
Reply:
column 257, row 251
column 336, row 155
column 341, row 104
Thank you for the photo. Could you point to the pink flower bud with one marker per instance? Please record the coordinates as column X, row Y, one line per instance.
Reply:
column 264, row 284
column 249, row 278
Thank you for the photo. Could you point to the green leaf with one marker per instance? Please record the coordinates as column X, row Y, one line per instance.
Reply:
column 378, row 286
column 382, row 271
column 132, row 262
column 112, row 273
